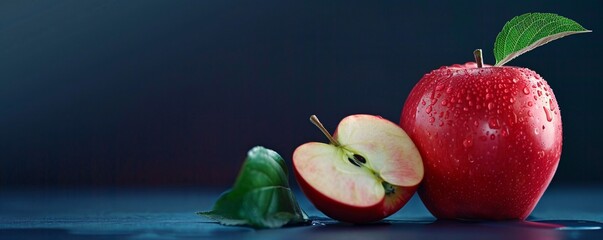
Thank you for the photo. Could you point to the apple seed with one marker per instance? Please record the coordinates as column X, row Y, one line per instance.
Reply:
column 353, row 162
column 359, row 158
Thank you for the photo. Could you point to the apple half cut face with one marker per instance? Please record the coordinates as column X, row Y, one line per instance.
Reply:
column 369, row 171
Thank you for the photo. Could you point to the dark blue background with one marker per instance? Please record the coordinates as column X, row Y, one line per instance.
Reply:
column 148, row 93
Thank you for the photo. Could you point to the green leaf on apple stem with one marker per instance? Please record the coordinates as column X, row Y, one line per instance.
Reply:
column 531, row 30
column 261, row 196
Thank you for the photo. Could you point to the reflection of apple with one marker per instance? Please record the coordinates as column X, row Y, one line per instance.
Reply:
column 490, row 139
column 368, row 172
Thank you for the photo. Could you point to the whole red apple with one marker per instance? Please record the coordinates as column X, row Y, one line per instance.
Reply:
column 489, row 137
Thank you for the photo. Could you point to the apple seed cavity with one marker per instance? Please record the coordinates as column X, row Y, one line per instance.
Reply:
column 389, row 189
column 357, row 159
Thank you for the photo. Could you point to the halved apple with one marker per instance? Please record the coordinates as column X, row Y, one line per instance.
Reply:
column 370, row 169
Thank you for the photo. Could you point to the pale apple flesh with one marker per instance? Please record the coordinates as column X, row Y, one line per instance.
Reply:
column 370, row 175
column 392, row 153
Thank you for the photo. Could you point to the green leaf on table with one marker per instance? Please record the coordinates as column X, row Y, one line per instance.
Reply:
column 261, row 196
column 531, row 30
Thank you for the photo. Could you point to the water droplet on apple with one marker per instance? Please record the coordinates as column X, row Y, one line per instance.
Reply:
column 511, row 100
column 466, row 109
column 493, row 123
column 539, row 93
column 488, row 96
column 490, row 106
column 439, row 87
column 428, row 109
column 530, row 103
column 492, row 137
column 423, row 102
column 475, row 123
column 541, row 154
column 431, row 119
column 444, row 102
column 551, row 105
column 467, row 143
column 548, row 114
column 526, row 91
column 505, row 132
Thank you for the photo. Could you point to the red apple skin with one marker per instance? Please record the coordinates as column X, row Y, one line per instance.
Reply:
column 490, row 139
column 354, row 214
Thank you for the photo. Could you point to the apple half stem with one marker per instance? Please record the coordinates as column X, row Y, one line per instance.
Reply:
column 314, row 119
column 477, row 54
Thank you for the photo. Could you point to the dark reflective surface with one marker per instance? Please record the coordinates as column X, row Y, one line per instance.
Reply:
column 563, row 213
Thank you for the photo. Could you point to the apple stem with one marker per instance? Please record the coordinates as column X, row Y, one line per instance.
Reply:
column 478, row 58
column 314, row 119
